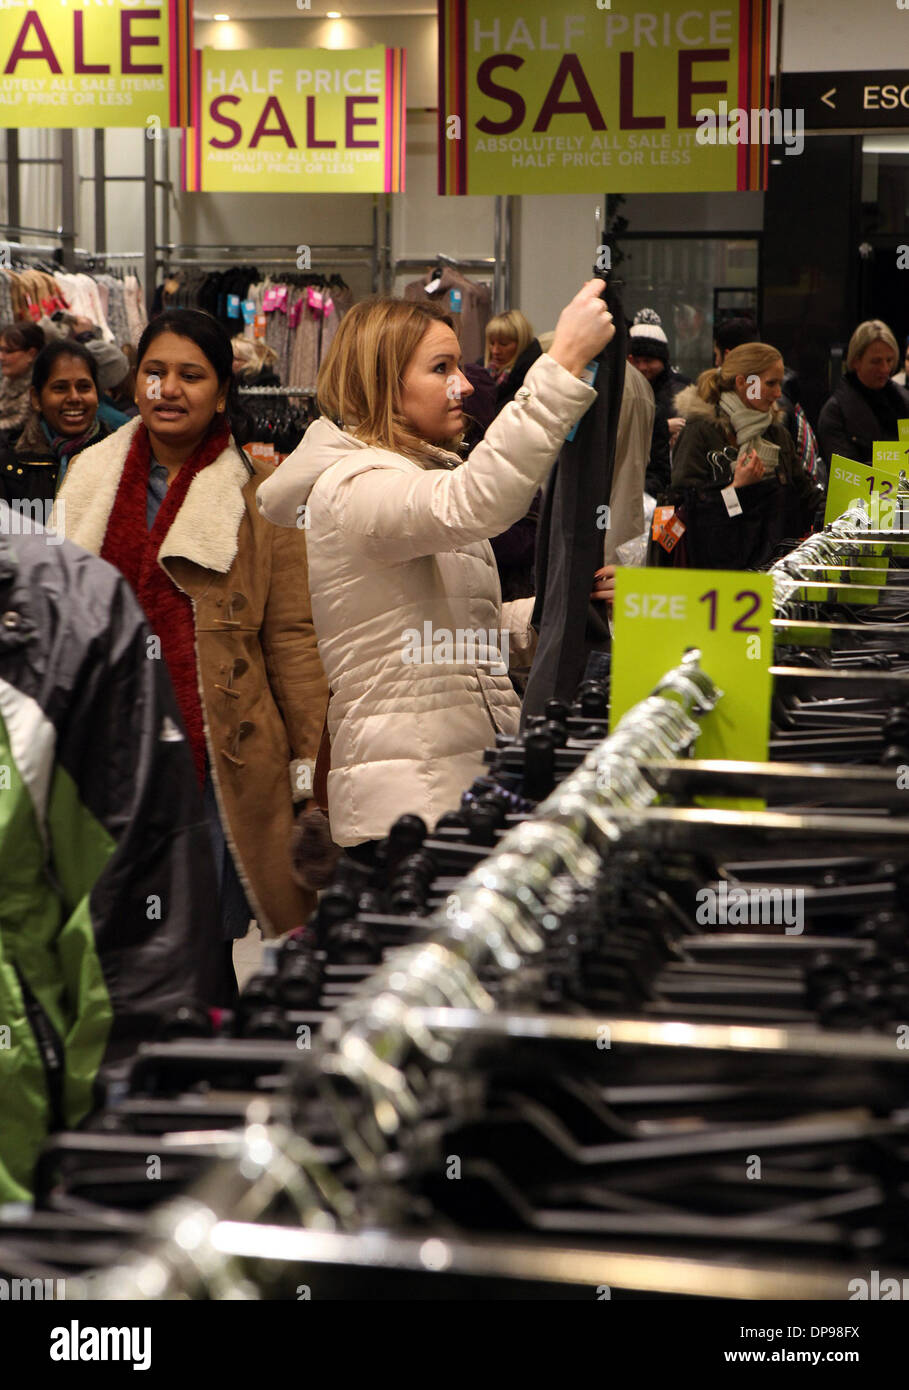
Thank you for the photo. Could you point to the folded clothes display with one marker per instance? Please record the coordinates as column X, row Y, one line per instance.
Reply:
column 588, row 1030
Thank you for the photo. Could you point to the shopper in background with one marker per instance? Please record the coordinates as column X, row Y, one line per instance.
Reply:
column 732, row 334
column 254, row 362
column 112, row 365
column 735, row 333
column 735, row 436
column 866, row 405
column 900, row 377
column 507, row 335
column 648, row 350
column 123, row 395
column 169, row 500
column 63, row 420
column 20, row 344
column 398, row 545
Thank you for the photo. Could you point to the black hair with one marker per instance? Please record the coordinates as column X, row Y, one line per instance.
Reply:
column 22, row 336
column 48, row 357
column 214, row 342
column 734, row 332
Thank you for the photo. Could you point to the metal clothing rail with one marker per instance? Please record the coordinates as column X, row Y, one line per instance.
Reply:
column 209, row 262
column 276, row 391
column 499, row 263
column 21, row 247
column 213, row 255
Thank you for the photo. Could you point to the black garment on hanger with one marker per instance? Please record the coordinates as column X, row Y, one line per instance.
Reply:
column 569, row 540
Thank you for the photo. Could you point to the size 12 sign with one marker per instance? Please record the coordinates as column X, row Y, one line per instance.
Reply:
column 659, row 613
column 876, row 484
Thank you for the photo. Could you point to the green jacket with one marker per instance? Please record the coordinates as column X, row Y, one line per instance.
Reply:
column 107, row 886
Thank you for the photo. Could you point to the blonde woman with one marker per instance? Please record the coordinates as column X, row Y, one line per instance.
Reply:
column 254, row 362
column 400, row 566
column 507, row 335
column 866, row 404
column 735, row 462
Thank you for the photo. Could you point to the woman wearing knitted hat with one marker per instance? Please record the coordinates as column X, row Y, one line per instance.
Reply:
column 648, row 350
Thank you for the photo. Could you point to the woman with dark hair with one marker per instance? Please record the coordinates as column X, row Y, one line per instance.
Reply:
column 63, row 421
column 170, row 501
column 20, row 344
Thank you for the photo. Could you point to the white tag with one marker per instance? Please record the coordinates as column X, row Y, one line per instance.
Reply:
column 730, row 497
column 433, row 285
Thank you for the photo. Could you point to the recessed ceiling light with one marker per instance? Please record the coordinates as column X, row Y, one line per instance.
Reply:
column 223, row 18
column 334, row 14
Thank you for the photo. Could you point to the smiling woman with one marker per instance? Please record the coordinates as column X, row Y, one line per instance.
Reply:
column 63, row 421
column 169, row 501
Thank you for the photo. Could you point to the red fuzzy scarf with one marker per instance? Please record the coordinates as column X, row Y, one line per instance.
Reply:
column 133, row 550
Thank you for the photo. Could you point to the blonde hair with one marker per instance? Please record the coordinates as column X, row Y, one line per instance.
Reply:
column 509, row 327
column 360, row 382
column 871, row 331
column 744, row 360
column 254, row 353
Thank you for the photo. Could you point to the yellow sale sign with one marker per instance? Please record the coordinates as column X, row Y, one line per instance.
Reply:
column 123, row 63
column 293, row 120
column 544, row 97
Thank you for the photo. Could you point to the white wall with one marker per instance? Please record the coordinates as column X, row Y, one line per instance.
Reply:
column 840, row 35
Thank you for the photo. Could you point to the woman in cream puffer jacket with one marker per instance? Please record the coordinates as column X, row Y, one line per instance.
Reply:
column 399, row 556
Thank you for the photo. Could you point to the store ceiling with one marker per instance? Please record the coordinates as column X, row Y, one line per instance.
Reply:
column 318, row 9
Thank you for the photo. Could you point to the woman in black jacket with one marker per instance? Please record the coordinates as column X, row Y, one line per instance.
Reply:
column 866, row 404
column 736, row 467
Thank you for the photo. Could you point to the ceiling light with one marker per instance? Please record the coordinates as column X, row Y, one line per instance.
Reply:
column 333, row 14
column 222, row 18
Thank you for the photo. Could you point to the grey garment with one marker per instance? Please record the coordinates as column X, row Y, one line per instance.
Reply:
column 474, row 314
column 6, row 298
column 111, row 363
column 14, row 401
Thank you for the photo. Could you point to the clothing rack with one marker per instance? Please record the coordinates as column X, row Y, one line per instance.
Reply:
column 22, row 249
column 499, row 264
column 213, row 257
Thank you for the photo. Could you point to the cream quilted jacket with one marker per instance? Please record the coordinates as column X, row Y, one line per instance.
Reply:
column 393, row 547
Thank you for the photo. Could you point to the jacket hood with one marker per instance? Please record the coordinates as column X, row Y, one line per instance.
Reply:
column 288, row 488
column 281, row 496
column 692, row 406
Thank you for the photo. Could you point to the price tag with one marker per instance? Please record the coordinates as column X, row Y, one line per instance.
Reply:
column 660, row 613
column 731, row 499
column 875, row 484
column 260, row 450
column 588, row 375
column 454, row 301
column 259, row 326
column 233, row 306
column 903, row 426
column 249, row 311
